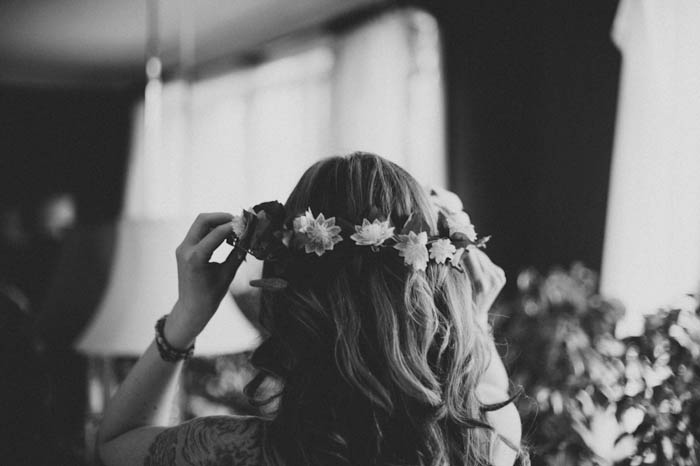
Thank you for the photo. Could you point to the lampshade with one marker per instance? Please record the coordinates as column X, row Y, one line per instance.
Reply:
column 143, row 287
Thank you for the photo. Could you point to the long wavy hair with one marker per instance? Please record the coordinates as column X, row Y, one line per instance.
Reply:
column 378, row 364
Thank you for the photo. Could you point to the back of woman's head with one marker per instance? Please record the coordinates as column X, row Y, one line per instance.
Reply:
column 378, row 362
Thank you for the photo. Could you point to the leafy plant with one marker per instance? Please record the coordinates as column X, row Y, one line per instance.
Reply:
column 593, row 398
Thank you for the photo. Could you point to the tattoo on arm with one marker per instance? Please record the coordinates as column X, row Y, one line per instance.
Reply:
column 163, row 448
column 208, row 441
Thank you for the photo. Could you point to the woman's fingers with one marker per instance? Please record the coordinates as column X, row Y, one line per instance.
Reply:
column 488, row 279
column 475, row 269
column 213, row 240
column 203, row 224
column 482, row 266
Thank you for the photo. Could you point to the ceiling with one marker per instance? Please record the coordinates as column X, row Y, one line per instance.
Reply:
column 103, row 42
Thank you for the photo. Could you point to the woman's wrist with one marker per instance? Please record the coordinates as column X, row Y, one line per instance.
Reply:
column 179, row 331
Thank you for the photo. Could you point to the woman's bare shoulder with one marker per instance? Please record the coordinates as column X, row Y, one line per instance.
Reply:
column 207, row 441
column 505, row 421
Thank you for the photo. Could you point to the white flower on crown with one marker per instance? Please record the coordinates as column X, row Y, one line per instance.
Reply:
column 239, row 225
column 412, row 247
column 372, row 234
column 441, row 250
column 319, row 234
column 302, row 222
column 459, row 222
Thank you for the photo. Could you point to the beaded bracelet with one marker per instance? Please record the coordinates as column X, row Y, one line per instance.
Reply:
column 167, row 351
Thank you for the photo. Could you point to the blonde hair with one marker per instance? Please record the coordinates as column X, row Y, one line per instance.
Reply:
column 378, row 363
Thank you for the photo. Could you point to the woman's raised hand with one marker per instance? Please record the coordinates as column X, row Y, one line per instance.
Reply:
column 201, row 284
column 488, row 279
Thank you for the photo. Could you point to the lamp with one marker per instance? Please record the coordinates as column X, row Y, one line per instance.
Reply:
column 143, row 283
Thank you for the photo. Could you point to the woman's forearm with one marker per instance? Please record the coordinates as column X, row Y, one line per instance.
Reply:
column 143, row 399
column 145, row 396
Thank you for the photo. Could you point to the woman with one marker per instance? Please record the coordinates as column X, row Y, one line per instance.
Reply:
column 376, row 332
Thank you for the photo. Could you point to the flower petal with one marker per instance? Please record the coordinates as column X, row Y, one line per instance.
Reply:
column 412, row 248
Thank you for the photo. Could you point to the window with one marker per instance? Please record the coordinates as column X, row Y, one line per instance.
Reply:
column 246, row 136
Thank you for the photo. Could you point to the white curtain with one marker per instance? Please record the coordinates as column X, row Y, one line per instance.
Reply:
column 247, row 136
column 652, row 244
column 232, row 141
column 388, row 96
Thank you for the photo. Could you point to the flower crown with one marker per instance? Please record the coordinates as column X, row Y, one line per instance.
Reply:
column 267, row 233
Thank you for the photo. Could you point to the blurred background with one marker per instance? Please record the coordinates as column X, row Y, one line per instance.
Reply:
column 569, row 130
